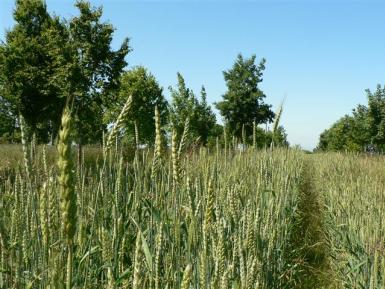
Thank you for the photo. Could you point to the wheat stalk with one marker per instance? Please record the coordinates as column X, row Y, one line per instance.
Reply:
column 67, row 190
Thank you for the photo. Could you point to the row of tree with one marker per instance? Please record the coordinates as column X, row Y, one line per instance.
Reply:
column 45, row 59
column 362, row 131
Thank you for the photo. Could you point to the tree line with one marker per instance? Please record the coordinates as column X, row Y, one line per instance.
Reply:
column 45, row 60
column 362, row 131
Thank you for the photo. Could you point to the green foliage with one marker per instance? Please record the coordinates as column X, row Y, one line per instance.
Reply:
column 204, row 120
column 182, row 103
column 376, row 116
column 28, row 63
column 216, row 134
column 8, row 121
column 146, row 94
column 186, row 105
column 264, row 138
column 45, row 59
column 278, row 137
column 243, row 102
column 339, row 137
column 97, row 70
column 363, row 130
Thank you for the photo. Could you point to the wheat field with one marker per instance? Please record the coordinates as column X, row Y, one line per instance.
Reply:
column 189, row 217
column 222, row 218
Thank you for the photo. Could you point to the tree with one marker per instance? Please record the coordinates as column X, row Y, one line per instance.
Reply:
column 343, row 136
column 97, row 69
column 216, row 136
column 279, row 137
column 336, row 137
column 8, row 122
column 182, row 104
column 363, row 130
column 376, row 116
column 46, row 60
column 203, row 120
column 185, row 105
column 147, row 94
column 243, row 102
column 7, row 118
column 28, row 64
column 360, row 132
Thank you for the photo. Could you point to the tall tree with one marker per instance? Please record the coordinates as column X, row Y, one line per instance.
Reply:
column 45, row 60
column 186, row 105
column 243, row 102
column 27, row 64
column 146, row 94
column 98, row 68
column 7, row 116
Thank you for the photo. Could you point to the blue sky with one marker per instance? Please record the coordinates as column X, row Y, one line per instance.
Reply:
column 321, row 54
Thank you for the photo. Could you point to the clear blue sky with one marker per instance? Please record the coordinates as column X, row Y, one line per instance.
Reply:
column 321, row 54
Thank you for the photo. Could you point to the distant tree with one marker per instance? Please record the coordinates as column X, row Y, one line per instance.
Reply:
column 147, row 94
column 203, row 121
column 279, row 137
column 182, row 104
column 243, row 101
column 323, row 142
column 360, row 132
column 340, row 136
column 376, row 116
column 264, row 138
column 185, row 105
column 216, row 134
column 364, row 129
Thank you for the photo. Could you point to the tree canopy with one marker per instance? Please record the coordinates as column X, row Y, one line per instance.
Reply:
column 98, row 68
column 45, row 59
column 146, row 94
column 243, row 104
column 28, row 66
column 362, row 131
column 184, row 104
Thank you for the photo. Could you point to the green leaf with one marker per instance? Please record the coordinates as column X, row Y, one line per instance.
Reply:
column 146, row 251
column 89, row 253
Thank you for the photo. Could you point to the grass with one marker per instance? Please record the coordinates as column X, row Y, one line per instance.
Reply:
column 206, row 219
